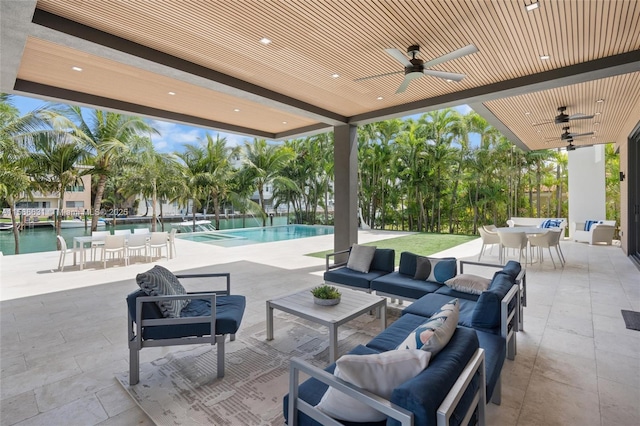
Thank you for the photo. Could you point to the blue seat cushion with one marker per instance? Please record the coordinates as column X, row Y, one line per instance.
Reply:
column 312, row 391
column 495, row 353
column 395, row 334
column 428, row 305
column 229, row 312
column 348, row 277
column 403, row 286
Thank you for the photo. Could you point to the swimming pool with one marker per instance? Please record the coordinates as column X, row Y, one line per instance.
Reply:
column 245, row 236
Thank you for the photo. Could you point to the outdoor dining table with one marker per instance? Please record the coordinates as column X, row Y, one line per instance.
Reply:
column 529, row 230
column 79, row 246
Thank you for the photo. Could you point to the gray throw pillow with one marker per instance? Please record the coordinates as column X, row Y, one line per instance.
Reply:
column 159, row 281
column 360, row 258
column 469, row 283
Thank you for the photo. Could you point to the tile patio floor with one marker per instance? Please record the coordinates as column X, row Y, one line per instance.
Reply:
column 63, row 335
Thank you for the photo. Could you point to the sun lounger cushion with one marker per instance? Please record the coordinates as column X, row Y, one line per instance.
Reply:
column 159, row 281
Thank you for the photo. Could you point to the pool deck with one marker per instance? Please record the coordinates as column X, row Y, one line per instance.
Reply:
column 64, row 338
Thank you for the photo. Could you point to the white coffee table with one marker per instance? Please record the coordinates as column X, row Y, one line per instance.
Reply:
column 352, row 305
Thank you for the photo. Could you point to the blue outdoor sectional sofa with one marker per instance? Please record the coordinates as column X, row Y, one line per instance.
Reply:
column 460, row 379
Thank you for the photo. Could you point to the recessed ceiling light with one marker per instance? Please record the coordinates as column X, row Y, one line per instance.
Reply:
column 236, row 110
column 265, row 41
column 172, row 93
column 532, row 6
column 599, row 101
column 380, row 98
column 596, row 123
column 335, row 75
column 544, row 57
column 598, row 113
column 527, row 113
column 448, row 80
column 76, row 68
column 593, row 137
column 539, row 131
column 284, row 122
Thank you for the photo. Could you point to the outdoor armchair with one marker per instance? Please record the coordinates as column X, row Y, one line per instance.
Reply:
column 207, row 317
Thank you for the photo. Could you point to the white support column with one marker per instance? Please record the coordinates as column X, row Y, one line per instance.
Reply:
column 346, row 187
column 587, row 184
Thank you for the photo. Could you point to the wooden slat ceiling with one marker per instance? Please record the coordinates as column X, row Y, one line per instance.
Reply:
column 311, row 41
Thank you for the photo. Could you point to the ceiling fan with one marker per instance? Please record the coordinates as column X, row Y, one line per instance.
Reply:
column 566, row 136
column 563, row 118
column 414, row 67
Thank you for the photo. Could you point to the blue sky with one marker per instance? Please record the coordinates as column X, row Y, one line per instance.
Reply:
column 172, row 135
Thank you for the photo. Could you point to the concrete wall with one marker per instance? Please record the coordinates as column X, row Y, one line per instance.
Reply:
column 587, row 184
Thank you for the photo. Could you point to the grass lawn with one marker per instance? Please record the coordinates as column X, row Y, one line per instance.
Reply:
column 422, row 244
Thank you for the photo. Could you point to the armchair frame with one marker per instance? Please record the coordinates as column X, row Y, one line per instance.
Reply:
column 135, row 326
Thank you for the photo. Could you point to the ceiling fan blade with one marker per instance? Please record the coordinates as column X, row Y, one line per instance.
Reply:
column 577, row 135
column 398, row 56
column 407, row 80
column 580, row 117
column 378, row 75
column 452, row 55
column 542, row 123
column 446, row 75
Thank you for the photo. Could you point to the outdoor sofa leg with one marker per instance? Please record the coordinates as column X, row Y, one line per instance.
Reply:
column 232, row 337
column 220, row 343
column 496, row 398
column 134, row 365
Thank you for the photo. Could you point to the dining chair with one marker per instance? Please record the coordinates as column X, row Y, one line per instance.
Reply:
column 172, row 243
column 99, row 242
column 63, row 253
column 157, row 241
column 542, row 241
column 121, row 232
column 136, row 244
column 488, row 239
column 515, row 240
column 141, row 230
column 114, row 244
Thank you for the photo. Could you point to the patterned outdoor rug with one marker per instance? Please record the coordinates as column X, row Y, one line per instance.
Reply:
column 182, row 389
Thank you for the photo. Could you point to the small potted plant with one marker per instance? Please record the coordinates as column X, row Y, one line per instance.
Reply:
column 325, row 295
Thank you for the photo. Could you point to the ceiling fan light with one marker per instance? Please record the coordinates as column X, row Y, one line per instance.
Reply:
column 544, row 57
column 265, row 41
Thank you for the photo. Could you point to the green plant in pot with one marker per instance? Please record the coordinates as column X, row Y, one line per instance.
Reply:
column 325, row 295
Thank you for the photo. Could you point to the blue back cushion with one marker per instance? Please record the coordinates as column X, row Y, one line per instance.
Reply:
column 384, row 260
column 551, row 223
column 408, row 263
column 589, row 223
column 512, row 268
column 486, row 314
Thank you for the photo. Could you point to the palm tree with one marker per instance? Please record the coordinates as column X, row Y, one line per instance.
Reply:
column 17, row 133
column 109, row 136
column 55, row 165
column 264, row 162
column 210, row 170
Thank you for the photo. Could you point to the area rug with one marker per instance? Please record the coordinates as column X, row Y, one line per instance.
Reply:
column 182, row 388
column 631, row 319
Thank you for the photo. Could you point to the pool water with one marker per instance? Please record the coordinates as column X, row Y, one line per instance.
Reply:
column 267, row 234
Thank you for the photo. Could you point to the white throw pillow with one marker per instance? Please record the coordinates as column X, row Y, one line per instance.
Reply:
column 433, row 335
column 379, row 374
column 360, row 258
column 469, row 283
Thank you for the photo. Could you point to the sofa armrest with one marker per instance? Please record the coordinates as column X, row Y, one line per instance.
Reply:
column 334, row 265
column 226, row 275
column 297, row 365
column 510, row 316
column 476, row 365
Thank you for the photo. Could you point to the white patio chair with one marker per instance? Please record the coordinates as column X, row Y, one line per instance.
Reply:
column 542, row 241
column 63, row 253
column 136, row 244
column 515, row 240
column 172, row 243
column 114, row 244
column 95, row 244
column 157, row 241
column 141, row 231
column 121, row 232
column 488, row 239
